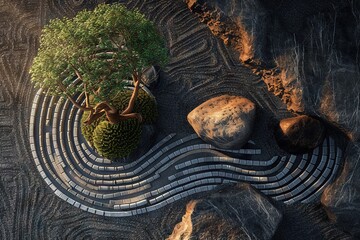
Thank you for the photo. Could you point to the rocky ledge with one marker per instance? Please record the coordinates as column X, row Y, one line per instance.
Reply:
column 230, row 212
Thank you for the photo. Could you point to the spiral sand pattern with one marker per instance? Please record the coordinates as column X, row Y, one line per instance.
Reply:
column 173, row 169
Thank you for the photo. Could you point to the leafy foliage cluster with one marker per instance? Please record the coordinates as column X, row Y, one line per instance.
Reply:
column 103, row 47
column 100, row 49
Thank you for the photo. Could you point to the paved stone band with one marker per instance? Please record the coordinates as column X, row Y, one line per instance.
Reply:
column 173, row 169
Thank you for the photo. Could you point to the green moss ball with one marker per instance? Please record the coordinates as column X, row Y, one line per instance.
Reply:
column 117, row 140
column 88, row 130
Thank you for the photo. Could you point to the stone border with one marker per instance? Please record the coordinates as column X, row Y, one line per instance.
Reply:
column 171, row 170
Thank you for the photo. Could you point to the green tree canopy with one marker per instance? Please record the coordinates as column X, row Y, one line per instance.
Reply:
column 100, row 48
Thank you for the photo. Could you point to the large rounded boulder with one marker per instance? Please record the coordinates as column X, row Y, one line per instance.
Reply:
column 300, row 134
column 225, row 121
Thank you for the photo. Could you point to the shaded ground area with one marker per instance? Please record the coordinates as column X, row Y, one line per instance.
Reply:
column 28, row 208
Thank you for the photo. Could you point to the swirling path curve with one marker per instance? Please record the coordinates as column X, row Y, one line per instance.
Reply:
column 171, row 170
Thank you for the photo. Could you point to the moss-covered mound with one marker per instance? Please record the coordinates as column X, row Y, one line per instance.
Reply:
column 144, row 104
column 117, row 140
column 88, row 130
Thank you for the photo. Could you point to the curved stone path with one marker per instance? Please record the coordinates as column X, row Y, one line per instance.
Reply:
column 173, row 169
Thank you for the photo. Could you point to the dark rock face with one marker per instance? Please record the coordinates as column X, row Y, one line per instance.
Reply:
column 292, row 13
column 340, row 100
column 234, row 212
column 300, row 133
column 151, row 77
column 240, row 24
column 307, row 52
column 307, row 221
column 342, row 198
column 225, row 121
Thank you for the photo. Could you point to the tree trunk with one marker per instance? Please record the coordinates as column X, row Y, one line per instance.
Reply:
column 113, row 115
column 93, row 117
column 131, row 104
column 72, row 100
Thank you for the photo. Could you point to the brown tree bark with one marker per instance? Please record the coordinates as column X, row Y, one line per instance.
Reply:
column 113, row 115
column 72, row 100
column 131, row 104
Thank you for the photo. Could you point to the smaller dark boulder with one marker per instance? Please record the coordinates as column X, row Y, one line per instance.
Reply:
column 231, row 212
column 300, row 134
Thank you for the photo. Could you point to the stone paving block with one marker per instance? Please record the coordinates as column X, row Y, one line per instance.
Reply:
column 311, row 179
column 77, row 204
column 338, row 154
column 141, row 203
column 167, row 187
column 301, row 187
column 326, row 172
column 83, row 207
column 151, row 208
column 176, row 197
column 272, row 178
column 132, row 205
column 282, row 182
column 184, row 194
column 314, row 159
column 297, row 181
column 288, row 195
column 188, row 163
column 322, row 163
column 292, row 185
column 303, row 175
column 302, row 164
column 280, row 175
column 228, row 175
column 310, row 168
column 99, row 212
column 91, row 210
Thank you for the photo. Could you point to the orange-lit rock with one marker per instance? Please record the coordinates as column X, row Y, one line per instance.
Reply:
column 225, row 121
column 300, row 133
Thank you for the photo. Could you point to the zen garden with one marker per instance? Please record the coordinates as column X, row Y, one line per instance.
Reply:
column 134, row 114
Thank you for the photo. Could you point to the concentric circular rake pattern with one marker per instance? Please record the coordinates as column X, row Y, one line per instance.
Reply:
column 173, row 169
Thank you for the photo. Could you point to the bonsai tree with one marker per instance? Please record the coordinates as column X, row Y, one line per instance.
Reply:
column 93, row 53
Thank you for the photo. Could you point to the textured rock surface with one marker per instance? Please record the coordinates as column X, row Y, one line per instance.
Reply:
column 200, row 68
column 225, row 121
column 307, row 221
column 233, row 212
column 258, row 37
column 307, row 52
column 310, row 60
column 340, row 101
column 342, row 198
column 236, row 23
column 300, row 133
